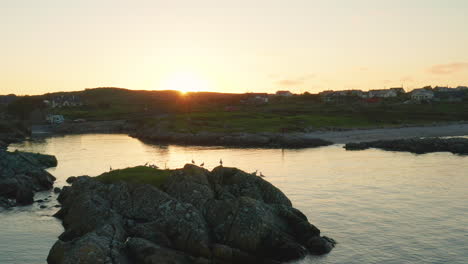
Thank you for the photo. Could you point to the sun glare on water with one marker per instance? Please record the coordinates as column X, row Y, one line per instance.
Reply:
column 185, row 82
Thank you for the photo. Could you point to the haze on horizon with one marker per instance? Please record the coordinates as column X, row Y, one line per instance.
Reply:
column 232, row 46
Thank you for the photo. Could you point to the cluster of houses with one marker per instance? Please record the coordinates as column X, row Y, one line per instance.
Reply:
column 263, row 98
column 64, row 101
column 417, row 95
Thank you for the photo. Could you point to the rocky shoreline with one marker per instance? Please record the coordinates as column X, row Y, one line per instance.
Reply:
column 195, row 216
column 416, row 145
column 260, row 140
column 21, row 175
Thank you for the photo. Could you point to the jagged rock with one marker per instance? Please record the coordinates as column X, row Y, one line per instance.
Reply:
column 22, row 174
column 24, row 195
column 57, row 190
column 416, row 145
column 71, row 179
column 196, row 216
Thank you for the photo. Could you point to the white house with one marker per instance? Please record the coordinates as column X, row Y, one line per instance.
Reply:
column 55, row 119
column 422, row 95
column 284, row 93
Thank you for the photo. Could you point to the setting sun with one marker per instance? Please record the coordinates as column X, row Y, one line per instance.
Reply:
column 185, row 82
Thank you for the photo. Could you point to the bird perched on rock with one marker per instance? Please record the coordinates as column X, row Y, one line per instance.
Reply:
column 193, row 162
column 221, row 162
column 261, row 175
column 146, row 164
column 203, row 164
column 254, row 173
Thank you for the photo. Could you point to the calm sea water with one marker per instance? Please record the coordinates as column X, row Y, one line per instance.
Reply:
column 382, row 207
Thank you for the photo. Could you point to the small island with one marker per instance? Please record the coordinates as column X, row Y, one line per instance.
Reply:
column 416, row 145
column 188, row 215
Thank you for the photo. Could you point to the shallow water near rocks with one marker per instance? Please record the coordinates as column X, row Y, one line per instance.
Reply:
column 381, row 207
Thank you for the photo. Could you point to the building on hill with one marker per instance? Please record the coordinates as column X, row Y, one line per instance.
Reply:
column 422, row 95
column 284, row 93
column 64, row 101
column 449, row 96
column 462, row 88
column 55, row 119
column 398, row 90
column 256, row 98
column 443, row 89
column 342, row 96
column 382, row 93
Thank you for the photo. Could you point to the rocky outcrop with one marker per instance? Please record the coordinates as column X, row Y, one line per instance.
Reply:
column 109, row 126
column 22, row 174
column 416, row 145
column 197, row 216
column 11, row 132
column 260, row 140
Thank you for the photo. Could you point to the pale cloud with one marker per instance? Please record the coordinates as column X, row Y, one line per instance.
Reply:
column 295, row 81
column 449, row 68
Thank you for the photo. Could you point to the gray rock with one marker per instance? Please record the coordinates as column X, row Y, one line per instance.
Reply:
column 198, row 216
column 71, row 179
column 24, row 195
column 57, row 190
column 416, row 145
column 22, row 174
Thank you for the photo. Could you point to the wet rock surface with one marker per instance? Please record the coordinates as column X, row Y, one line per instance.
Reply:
column 196, row 216
column 416, row 145
column 21, row 175
column 260, row 140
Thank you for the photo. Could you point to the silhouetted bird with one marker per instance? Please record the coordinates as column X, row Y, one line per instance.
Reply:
column 193, row 162
column 146, row 164
column 110, row 168
column 203, row 164
column 221, row 162
column 261, row 175
column 254, row 173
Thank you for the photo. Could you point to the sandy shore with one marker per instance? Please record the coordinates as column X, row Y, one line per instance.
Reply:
column 361, row 135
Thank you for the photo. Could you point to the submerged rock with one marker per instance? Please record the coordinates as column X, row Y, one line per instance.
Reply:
column 22, row 174
column 416, row 145
column 196, row 216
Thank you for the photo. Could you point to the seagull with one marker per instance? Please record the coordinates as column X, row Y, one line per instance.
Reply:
column 146, row 164
column 193, row 162
column 261, row 175
column 254, row 173
column 203, row 164
column 110, row 167
column 221, row 162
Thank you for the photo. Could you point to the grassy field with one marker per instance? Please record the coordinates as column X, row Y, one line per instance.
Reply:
column 173, row 111
column 139, row 174
column 302, row 118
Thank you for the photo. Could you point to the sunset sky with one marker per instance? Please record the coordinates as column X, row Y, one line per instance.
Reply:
column 231, row 46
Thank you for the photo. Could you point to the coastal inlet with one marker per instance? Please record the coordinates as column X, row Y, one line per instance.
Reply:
column 381, row 206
